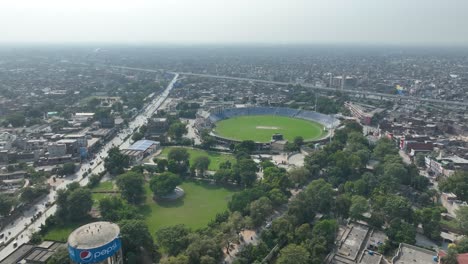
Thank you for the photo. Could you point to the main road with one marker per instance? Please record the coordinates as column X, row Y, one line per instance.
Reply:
column 18, row 232
column 364, row 93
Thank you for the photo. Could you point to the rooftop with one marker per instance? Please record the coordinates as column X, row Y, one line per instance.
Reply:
column 93, row 235
column 412, row 254
column 142, row 145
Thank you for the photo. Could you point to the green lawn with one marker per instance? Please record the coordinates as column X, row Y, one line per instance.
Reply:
column 104, row 186
column 61, row 233
column 196, row 209
column 215, row 157
column 260, row 128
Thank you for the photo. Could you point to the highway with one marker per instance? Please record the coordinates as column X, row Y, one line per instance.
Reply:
column 364, row 93
column 22, row 228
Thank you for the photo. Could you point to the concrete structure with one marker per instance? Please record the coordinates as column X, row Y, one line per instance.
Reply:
column 141, row 149
column 82, row 117
column 57, row 150
column 81, row 139
column 6, row 140
column 97, row 242
column 156, row 127
column 362, row 112
column 357, row 243
column 29, row 253
column 415, row 255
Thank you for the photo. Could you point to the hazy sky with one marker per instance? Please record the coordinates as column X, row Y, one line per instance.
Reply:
column 235, row 21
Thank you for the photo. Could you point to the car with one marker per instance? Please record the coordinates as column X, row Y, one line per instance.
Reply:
column 2, row 235
column 15, row 244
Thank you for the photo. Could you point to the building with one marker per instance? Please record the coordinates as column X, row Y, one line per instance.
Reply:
column 141, row 149
column 57, row 150
column 415, row 255
column 156, row 127
column 82, row 117
column 6, row 140
column 346, row 82
column 33, row 254
column 81, row 139
column 357, row 243
column 97, row 242
column 363, row 113
column 71, row 144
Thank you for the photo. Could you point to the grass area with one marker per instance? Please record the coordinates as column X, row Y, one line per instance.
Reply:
column 61, row 233
column 196, row 209
column 260, row 128
column 215, row 157
column 104, row 186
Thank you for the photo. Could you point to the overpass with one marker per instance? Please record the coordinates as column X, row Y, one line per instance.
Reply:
column 355, row 92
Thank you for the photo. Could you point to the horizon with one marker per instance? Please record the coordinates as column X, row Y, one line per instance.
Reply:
column 206, row 22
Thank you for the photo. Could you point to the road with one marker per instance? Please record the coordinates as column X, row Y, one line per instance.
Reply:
column 364, row 93
column 22, row 228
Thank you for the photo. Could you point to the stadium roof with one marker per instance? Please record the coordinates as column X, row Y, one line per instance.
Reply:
column 142, row 145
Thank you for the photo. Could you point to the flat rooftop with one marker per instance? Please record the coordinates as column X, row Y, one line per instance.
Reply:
column 93, row 235
column 354, row 239
column 414, row 255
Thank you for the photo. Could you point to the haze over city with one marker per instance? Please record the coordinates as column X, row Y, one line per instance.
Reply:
column 398, row 22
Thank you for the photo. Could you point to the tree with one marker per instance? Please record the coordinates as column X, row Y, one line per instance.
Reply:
column 204, row 250
column 137, row 136
column 68, row 168
column 6, row 204
column 260, row 210
column 79, row 204
column 177, row 130
column 173, row 239
column 358, row 207
column 450, row 258
column 462, row 218
column 201, row 163
column 15, row 120
column 457, row 183
column 298, row 141
column 401, row 232
column 462, row 245
column 420, row 160
column 178, row 160
column 293, row 254
column 179, row 259
column 246, row 170
column 164, row 183
column 29, row 194
column 298, row 176
column 326, row 229
column 247, row 146
column 384, row 147
column 276, row 177
column 135, row 235
column 116, row 162
column 131, row 187
column 115, row 209
column 430, row 221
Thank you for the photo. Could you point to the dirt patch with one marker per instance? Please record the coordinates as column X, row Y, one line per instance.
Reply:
column 267, row 127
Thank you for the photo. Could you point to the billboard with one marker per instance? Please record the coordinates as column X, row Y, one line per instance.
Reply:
column 95, row 254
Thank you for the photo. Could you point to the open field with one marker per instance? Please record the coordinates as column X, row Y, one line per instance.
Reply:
column 215, row 157
column 196, row 209
column 260, row 128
